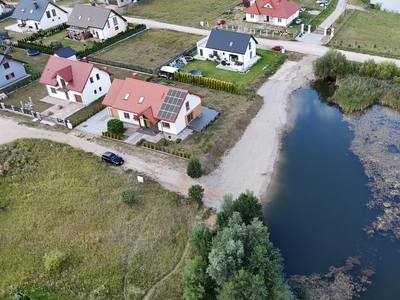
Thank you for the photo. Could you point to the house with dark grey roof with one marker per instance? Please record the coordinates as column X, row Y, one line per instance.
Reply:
column 39, row 14
column 157, row 107
column 235, row 51
column 11, row 70
column 88, row 21
column 66, row 52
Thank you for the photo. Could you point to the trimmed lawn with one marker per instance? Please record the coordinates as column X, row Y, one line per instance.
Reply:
column 60, row 198
column 149, row 49
column 370, row 32
column 60, row 37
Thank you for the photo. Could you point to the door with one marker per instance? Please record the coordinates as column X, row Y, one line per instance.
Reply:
column 189, row 117
column 78, row 98
column 201, row 52
column 66, row 95
column 147, row 123
column 36, row 26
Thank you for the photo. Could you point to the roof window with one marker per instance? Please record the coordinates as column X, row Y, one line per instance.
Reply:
column 126, row 96
column 230, row 44
column 141, row 99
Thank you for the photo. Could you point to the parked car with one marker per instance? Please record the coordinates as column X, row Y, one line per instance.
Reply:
column 112, row 158
column 277, row 48
column 221, row 22
column 298, row 21
column 321, row 2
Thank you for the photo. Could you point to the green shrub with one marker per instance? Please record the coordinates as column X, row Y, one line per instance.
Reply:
column 194, row 167
column 53, row 261
column 115, row 125
column 127, row 196
column 196, row 193
column 178, row 140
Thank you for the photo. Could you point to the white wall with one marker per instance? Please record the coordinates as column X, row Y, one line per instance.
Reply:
column 89, row 94
column 61, row 17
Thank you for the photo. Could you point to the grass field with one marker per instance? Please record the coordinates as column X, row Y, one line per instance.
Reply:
column 370, row 32
column 63, row 199
column 150, row 49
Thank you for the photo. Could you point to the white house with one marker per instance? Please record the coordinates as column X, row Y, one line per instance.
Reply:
column 88, row 21
column 229, row 47
column 119, row 3
column 273, row 12
column 157, row 107
column 76, row 81
column 39, row 14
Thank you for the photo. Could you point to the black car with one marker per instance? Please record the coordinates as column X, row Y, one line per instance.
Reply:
column 112, row 158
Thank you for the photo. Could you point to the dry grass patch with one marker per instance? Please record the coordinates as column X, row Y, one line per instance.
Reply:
column 68, row 200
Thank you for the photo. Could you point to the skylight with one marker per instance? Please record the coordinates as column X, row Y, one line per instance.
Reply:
column 141, row 99
column 126, row 96
column 230, row 44
column 80, row 17
column 88, row 19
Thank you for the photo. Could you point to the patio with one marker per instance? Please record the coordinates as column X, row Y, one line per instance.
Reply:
column 61, row 109
column 234, row 66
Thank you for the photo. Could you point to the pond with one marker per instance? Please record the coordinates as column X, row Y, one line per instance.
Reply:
column 316, row 208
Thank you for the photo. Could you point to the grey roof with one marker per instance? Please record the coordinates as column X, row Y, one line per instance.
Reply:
column 85, row 16
column 65, row 52
column 3, row 57
column 31, row 9
column 229, row 41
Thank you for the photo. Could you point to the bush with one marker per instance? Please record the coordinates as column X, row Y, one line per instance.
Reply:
column 115, row 125
column 194, row 168
column 127, row 196
column 178, row 140
column 196, row 193
column 53, row 261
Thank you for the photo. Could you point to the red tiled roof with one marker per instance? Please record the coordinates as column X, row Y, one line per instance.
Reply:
column 274, row 8
column 133, row 90
column 76, row 73
column 65, row 73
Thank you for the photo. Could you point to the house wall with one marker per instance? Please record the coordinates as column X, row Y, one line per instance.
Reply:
column 110, row 29
column 272, row 20
column 120, row 114
column 59, row 18
column 14, row 67
column 226, row 55
column 98, row 88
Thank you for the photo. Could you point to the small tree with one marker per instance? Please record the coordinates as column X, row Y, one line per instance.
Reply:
column 194, row 167
column 196, row 193
column 115, row 125
column 127, row 196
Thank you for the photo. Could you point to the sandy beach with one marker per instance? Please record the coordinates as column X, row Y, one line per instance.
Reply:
column 249, row 165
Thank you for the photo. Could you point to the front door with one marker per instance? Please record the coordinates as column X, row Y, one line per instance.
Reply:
column 78, row 98
column 201, row 52
column 147, row 123
column 189, row 117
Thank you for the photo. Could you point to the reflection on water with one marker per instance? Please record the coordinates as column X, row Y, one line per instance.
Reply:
column 317, row 204
column 389, row 5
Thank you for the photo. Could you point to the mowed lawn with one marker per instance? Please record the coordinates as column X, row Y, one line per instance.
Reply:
column 149, row 49
column 60, row 198
column 371, row 32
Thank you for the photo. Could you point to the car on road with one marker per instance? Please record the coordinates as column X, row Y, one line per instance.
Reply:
column 298, row 21
column 112, row 158
column 221, row 22
column 277, row 48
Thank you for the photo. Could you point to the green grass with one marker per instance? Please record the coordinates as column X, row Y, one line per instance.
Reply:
column 67, row 199
column 150, row 49
column 60, row 37
column 370, row 32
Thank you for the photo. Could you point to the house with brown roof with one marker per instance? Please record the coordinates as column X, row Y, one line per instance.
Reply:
column 273, row 12
column 88, row 21
column 158, row 107
column 76, row 81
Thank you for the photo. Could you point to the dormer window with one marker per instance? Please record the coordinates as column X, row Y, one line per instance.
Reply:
column 126, row 96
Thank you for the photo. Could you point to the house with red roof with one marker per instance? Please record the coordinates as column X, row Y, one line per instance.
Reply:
column 273, row 12
column 158, row 107
column 76, row 81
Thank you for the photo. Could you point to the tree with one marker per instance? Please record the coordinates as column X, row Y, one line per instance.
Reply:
column 127, row 196
column 201, row 239
column 244, row 285
column 194, row 167
column 115, row 125
column 196, row 193
column 332, row 64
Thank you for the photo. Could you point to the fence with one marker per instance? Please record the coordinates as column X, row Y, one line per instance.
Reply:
column 188, row 51
column 33, row 114
column 120, row 65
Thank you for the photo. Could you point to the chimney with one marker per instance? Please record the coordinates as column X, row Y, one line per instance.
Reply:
column 35, row 4
column 135, row 76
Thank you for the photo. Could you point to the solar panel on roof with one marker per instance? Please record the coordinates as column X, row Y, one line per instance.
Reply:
column 172, row 103
column 163, row 106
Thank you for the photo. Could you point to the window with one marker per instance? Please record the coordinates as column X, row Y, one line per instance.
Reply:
column 108, row 23
column 48, row 15
column 100, row 89
column 251, row 16
column 53, row 90
column 95, row 91
column 6, row 65
column 53, row 11
column 63, row 85
column 91, row 79
column 116, row 28
column 9, row 76
column 115, row 20
column 249, row 45
column 166, row 125
column 279, row 20
column 187, row 106
column 97, row 76
column 126, row 115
